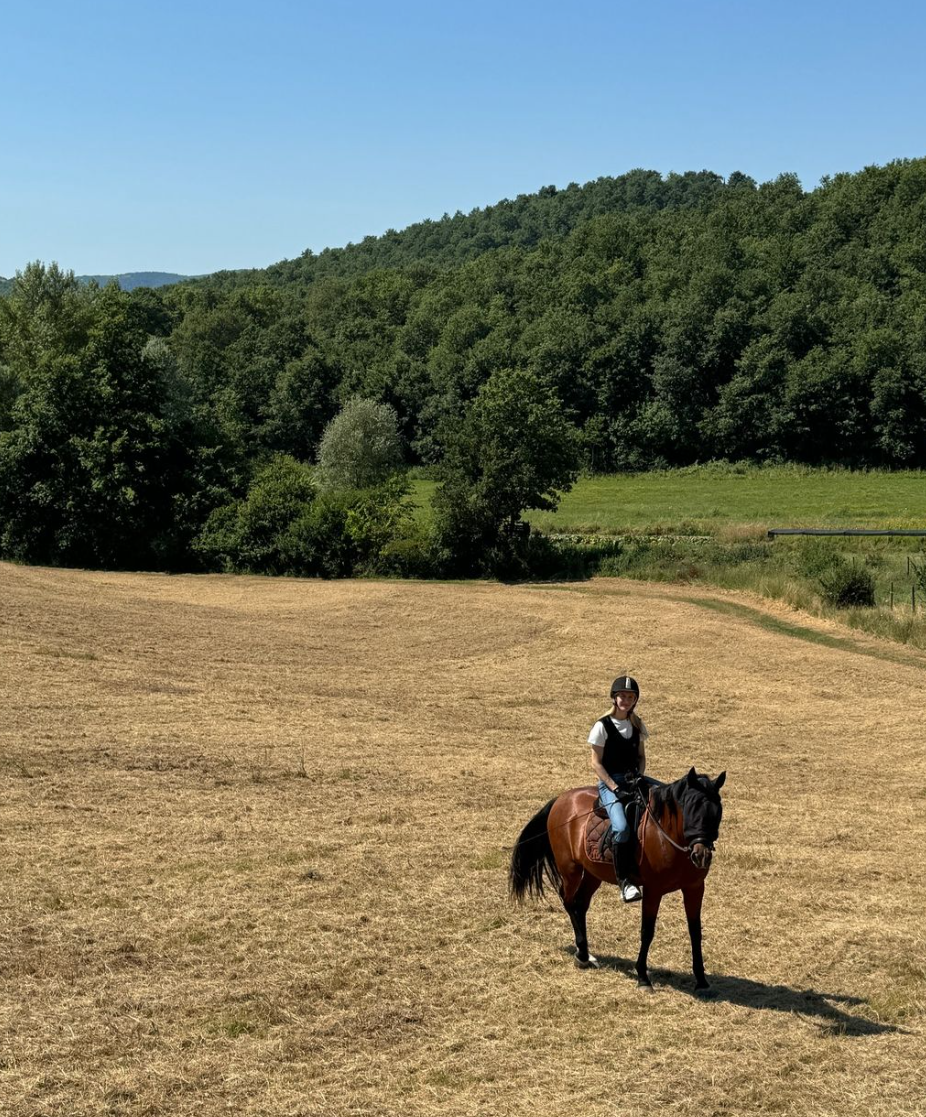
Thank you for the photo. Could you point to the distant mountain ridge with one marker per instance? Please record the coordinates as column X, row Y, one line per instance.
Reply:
column 128, row 281
column 132, row 279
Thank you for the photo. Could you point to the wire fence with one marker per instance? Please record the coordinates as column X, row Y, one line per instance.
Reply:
column 916, row 572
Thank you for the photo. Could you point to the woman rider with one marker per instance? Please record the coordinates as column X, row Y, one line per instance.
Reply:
column 618, row 743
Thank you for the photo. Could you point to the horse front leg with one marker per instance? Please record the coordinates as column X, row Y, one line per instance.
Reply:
column 693, row 898
column 650, row 912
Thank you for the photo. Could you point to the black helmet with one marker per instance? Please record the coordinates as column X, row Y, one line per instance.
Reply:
column 625, row 683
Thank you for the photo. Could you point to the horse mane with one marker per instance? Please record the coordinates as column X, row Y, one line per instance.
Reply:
column 665, row 796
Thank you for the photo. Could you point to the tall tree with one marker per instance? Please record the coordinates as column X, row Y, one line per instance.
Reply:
column 87, row 472
column 514, row 449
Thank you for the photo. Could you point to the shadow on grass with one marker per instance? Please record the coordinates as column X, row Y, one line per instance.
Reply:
column 829, row 1012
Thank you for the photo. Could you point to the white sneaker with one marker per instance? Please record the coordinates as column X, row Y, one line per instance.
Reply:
column 630, row 893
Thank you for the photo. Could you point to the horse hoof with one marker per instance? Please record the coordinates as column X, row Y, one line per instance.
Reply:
column 645, row 986
column 589, row 963
column 705, row 992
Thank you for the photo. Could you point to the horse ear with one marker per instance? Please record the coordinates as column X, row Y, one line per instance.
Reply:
column 719, row 782
column 692, row 778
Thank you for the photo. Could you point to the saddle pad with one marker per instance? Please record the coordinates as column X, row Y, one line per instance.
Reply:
column 594, row 831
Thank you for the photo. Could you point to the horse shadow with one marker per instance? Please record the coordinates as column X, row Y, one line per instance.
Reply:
column 829, row 1012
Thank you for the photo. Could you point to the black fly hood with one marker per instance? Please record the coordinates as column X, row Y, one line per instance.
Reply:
column 698, row 799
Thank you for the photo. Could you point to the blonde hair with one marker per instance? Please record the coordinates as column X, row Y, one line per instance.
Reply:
column 633, row 718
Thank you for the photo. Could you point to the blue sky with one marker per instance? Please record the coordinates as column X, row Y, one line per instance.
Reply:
column 202, row 135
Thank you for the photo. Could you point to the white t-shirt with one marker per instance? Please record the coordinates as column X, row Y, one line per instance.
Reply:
column 624, row 726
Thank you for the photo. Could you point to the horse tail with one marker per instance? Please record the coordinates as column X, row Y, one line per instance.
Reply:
column 533, row 859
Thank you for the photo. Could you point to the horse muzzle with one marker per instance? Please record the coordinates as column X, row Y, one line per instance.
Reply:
column 701, row 855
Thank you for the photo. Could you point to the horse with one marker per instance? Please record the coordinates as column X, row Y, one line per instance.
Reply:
column 674, row 849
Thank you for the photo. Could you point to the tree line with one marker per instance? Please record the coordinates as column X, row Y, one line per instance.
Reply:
column 632, row 323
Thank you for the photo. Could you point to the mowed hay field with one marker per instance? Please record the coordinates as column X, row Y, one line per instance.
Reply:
column 254, row 852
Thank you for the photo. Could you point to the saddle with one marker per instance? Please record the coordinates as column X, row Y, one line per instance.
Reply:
column 598, row 832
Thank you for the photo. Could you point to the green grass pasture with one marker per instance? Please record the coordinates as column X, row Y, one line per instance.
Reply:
column 707, row 498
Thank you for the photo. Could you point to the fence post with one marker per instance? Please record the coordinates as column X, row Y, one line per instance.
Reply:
column 913, row 596
column 892, row 597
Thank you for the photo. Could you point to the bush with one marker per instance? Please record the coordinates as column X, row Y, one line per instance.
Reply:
column 411, row 554
column 376, row 517
column 845, row 585
column 284, row 526
column 360, row 447
column 535, row 556
column 318, row 543
column 250, row 534
column 551, row 558
column 816, row 557
column 636, row 558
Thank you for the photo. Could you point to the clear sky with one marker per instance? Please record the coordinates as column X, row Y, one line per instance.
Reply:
column 188, row 137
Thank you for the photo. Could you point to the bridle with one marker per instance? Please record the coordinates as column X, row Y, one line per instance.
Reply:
column 689, row 849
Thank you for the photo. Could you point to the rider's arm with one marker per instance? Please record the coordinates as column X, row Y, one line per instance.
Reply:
column 598, row 768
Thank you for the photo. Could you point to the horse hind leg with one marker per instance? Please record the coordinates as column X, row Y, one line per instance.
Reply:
column 649, row 915
column 576, row 894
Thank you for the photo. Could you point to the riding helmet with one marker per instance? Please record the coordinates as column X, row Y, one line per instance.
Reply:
column 625, row 682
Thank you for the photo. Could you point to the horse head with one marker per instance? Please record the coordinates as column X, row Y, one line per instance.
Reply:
column 702, row 811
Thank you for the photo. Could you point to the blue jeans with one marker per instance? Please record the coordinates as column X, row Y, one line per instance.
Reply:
column 615, row 812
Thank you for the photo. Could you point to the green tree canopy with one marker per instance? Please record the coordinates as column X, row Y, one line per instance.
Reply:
column 360, row 447
column 87, row 472
column 512, row 450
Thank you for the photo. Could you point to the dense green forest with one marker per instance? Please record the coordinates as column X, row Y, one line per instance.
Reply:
column 632, row 323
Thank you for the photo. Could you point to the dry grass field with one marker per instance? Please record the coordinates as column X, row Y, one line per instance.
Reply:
column 253, row 853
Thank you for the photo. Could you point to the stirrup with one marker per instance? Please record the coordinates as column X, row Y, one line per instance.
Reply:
column 630, row 894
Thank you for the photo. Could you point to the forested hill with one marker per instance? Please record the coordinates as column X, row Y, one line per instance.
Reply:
column 692, row 319
column 549, row 214
column 670, row 321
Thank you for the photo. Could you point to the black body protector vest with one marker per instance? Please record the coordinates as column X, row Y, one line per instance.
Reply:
column 621, row 754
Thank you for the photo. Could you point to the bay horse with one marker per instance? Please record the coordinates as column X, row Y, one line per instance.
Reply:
column 674, row 849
